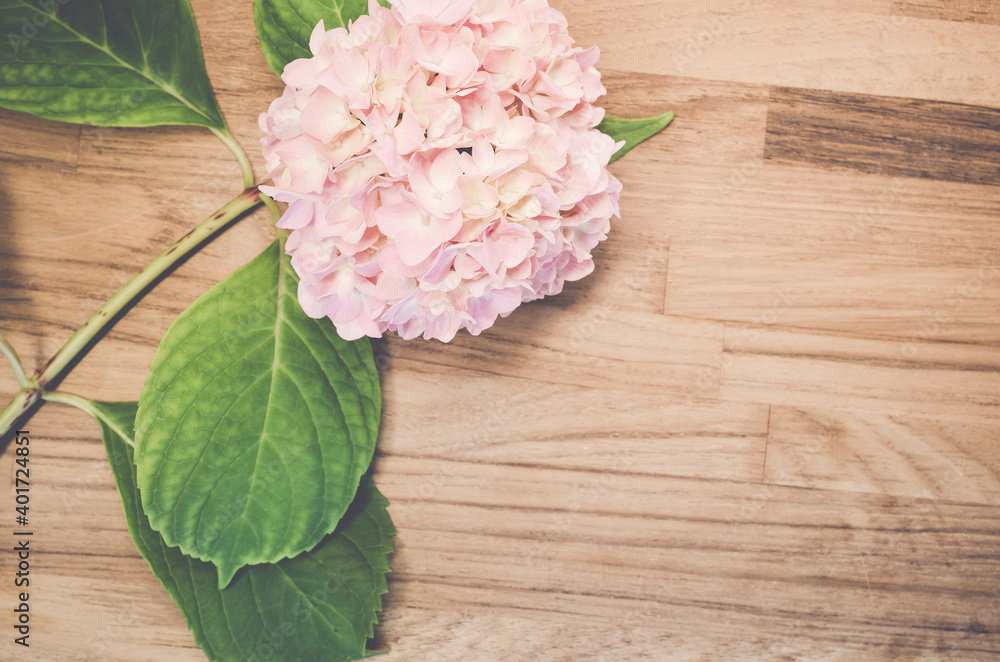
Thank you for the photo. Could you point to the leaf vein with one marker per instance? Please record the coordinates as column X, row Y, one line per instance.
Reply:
column 105, row 49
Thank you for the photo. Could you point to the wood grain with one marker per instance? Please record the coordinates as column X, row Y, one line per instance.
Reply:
column 955, row 459
column 883, row 135
column 976, row 11
column 794, row 367
column 835, row 251
column 43, row 146
column 841, row 571
column 512, row 423
column 858, row 47
column 766, row 428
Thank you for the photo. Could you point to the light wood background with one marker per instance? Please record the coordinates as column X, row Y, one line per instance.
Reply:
column 766, row 428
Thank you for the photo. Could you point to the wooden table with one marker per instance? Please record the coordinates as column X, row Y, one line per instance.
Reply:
column 766, row 428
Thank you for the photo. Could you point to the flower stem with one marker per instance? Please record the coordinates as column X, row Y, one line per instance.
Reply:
column 241, row 156
column 273, row 206
column 246, row 168
column 33, row 389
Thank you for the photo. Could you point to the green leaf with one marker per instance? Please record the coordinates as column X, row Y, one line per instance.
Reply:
column 633, row 132
column 321, row 605
column 105, row 62
column 256, row 422
column 284, row 26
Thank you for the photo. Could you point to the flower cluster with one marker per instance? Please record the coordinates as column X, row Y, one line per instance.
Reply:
column 441, row 165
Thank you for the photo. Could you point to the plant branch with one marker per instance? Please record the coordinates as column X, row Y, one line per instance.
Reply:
column 18, row 409
column 79, row 344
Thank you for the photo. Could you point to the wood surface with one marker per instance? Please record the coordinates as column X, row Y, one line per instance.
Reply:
column 767, row 427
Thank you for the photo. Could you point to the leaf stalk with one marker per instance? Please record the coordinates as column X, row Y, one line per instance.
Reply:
column 15, row 361
column 241, row 156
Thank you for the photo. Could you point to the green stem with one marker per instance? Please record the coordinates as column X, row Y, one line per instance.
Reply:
column 32, row 390
column 241, row 156
column 273, row 206
column 133, row 289
column 15, row 361
column 87, row 406
column 17, row 410
column 246, row 168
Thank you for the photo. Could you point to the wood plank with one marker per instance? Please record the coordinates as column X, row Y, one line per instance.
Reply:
column 513, row 422
column 776, row 44
column 244, row 83
column 112, row 610
column 884, row 135
column 632, row 632
column 875, row 7
column 909, row 257
column 585, row 346
column 832, row 250
column 697, row 562
column 955, row 459
column 630, row 269
column 634, row 259
column 38, row 143
column 778, row 557
column 975, row 11
column 812, row 369
column 734, row 115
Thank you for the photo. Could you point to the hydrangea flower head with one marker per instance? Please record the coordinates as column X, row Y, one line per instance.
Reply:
column 441, row 165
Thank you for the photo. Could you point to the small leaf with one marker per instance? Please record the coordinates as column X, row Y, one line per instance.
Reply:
column 321, row 605
column 284, row 26
column 633, row 132
column 109, row 63
column 256, row 422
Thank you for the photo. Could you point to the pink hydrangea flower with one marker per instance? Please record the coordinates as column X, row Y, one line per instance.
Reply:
column 441, row 165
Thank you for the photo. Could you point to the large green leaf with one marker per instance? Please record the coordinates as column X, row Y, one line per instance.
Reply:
column 321, row 605
column 256, row 422
column 633, row 132
column 284, row 26
column 105, row 62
